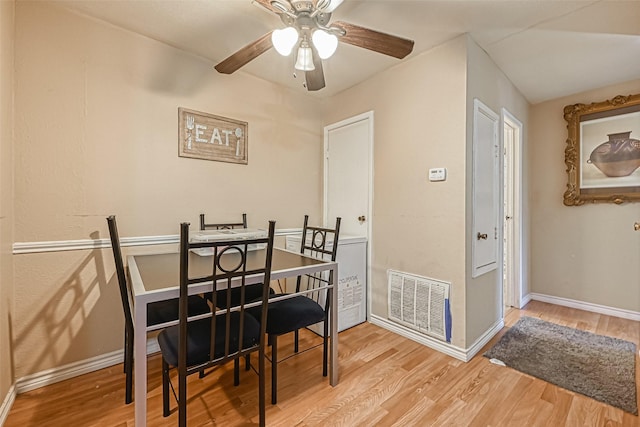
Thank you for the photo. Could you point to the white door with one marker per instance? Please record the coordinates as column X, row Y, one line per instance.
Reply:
column 348, row 174
column 348, row 192
column 486, row 192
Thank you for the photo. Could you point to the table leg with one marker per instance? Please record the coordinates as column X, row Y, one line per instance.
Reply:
column 333, row 342
column 140, row 363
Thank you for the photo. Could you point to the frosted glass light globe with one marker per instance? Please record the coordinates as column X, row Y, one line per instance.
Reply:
column 284, row 40
column 325, row 43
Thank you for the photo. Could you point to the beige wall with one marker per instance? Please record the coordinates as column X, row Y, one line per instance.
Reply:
column 423, row 118
column 95, row 126
column 419, row 119
column 96, row 134
column 587, row 253
column 485, row 81
column 6, row 193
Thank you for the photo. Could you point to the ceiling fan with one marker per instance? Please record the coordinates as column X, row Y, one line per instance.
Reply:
column 308, row 29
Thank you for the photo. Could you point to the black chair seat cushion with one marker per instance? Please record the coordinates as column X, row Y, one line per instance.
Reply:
column 290, row 314
column 166, row 311
column 252, row 293
column 199, row 338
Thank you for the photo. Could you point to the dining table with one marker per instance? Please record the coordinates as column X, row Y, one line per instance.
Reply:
column 155, row 277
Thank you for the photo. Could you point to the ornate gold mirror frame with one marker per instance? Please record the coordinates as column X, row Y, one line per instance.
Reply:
column 603, row 151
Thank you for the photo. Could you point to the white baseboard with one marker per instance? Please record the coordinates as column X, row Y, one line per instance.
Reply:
column 61, row 373
column 586, row 306
column 7, row 403
column 484, row 339
column 525, row 300
column 464, row 355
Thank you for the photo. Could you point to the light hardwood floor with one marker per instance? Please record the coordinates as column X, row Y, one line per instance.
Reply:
column 385, row 380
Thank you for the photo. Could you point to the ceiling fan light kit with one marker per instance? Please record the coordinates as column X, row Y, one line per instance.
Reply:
column 284, row 41
column 307, row 26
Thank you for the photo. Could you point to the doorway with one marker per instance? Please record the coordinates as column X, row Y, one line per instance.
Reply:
column 348, row 193
column 512, row 219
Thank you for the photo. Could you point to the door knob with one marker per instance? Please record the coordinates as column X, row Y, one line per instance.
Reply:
column 482, row 236
column 636, row 226
column 362, row 219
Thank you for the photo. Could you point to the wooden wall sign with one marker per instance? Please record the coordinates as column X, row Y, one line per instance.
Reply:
column 209, row 137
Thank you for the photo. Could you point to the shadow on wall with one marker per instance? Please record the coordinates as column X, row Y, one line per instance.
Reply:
column 79, row 319
column 171, row 73
column 12, row 358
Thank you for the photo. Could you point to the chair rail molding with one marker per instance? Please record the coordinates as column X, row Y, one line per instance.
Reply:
column 90, row 244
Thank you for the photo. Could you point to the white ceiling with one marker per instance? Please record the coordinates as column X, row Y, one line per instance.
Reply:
column 548, row 48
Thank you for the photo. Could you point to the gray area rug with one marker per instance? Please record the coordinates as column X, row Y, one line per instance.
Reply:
column 594, row 365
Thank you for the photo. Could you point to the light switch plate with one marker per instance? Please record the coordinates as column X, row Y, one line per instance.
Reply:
column 437, row 174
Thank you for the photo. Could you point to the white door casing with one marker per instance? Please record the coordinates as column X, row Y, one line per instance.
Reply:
column 512, row 221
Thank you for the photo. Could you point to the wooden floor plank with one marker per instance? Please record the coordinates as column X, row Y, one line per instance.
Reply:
column 385, row 380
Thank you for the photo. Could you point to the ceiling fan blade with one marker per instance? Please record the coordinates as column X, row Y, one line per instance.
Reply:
column 315, row 78
column 375, row 40
column 266, row 4
column 246, row 54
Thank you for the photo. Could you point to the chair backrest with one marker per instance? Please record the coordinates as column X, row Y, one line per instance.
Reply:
column 223, row 225
column 232, row 263
column 318, row 242
column 120, row 272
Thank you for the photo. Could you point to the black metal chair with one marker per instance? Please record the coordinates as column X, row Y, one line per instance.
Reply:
column 223, row 225
column 253, row 291
column 228, row 334
column 157, row 313
column 292, row 314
